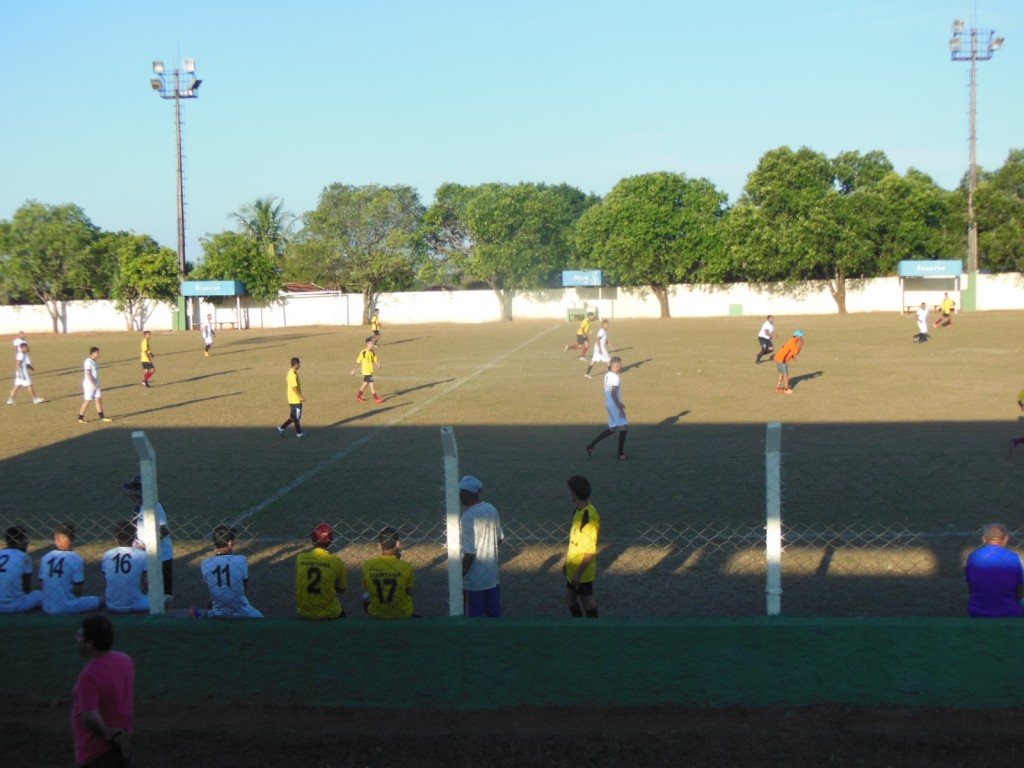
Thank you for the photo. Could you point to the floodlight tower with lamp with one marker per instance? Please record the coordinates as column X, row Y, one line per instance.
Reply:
column 177, row 93
column 982, row 44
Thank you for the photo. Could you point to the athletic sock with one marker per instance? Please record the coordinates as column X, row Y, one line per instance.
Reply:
column 622, row 441
column 600, row 437
column 576, row 611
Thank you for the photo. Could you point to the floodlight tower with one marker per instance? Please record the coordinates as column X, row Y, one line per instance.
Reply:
column 166, row 91
column 982, row 45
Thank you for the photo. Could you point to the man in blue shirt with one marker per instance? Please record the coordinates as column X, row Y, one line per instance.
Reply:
column 995, row 576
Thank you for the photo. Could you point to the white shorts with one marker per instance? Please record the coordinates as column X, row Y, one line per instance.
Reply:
column 23, row 380
column 90, row 391
column 601, row 357
column 616, row 419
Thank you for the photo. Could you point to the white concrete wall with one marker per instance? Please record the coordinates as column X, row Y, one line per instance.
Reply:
column 995, row 292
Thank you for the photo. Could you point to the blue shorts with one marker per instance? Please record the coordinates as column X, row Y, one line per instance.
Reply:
column 482, row 602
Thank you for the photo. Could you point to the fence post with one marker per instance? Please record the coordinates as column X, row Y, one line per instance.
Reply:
column 452, row 508
column 150, row 533
column 773, row 517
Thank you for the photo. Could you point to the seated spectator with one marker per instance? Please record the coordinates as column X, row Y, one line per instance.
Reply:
column 16, row 593
column 124, row 568
column 227, row 577
column 995, row 576
column 320, row 578
column 62, row 576
column 387, row 581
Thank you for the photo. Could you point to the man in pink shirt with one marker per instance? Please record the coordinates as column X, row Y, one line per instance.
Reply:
column 103, row 714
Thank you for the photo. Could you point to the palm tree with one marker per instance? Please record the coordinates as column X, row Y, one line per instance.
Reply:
column 268, row 223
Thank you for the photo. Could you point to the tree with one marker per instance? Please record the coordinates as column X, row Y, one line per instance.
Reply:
column 363, row 239
column 45, row 251
column 231, row 256
column 653, row 230
column 144, row 274
column 267, row 222
column 447, row 235
column 1000, row 205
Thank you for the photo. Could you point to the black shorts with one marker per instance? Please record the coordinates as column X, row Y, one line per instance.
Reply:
column 147, row 366
column 368, row 378
column 584, row 589
column 296, row 411
column 581, row 339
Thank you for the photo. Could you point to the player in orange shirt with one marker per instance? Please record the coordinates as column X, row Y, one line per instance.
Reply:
column 783, row 357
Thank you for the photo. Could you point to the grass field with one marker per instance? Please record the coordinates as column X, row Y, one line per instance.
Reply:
column 880, row 434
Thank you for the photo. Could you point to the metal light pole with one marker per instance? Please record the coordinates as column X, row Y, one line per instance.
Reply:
column 161, row 86
column 982, row 44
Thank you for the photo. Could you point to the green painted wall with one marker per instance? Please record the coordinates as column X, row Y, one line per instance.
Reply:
column 457, row 663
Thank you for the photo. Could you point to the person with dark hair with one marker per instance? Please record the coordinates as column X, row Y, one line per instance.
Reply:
column 995, row 576
column 480, row 536
column 103, row 710
column 580, row 566
column 227, row 578
column 617, row 421
column 208, row 335
column 582, row 336
column 387, row 580
column 124, row 568
column 23, row 370
column 91, row 392
column 165, row 545
column 375, row 326
column 16, row 593
column 764, row 338
column 146, row 358
column 320, row 578
column 365, row 361
column 295, row 400
column 62, row 576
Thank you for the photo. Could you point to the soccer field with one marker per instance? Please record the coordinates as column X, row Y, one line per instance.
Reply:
column 880, row 435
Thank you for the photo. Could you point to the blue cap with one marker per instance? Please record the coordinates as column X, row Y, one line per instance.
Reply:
column 798, row 333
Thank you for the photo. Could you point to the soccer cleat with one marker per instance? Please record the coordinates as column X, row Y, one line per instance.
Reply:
column 359, row 399
column 779, row 390
column 566, row 348
column 378, row 399
column 587, row 376
column 146, row 384
column 206, row 354
column 106, row 418
column 195, row 613
column 82, row 421
column 590, row 451
column 787, row 391
column 10, row 401
column 280, row 431
column 623, row 457
column 301, row 434
column 38, row 400
column 583, row 359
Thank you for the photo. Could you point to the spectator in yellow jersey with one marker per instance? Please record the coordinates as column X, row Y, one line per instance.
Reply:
column 581, row 559
column 366, row 360
column 295, row 400
column 388, row 581
column 320, row 578
column 582, row 336
column 146, row 357
column 375, row 327
column 947, row 306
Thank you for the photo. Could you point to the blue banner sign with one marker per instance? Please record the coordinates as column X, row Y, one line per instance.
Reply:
column 940, row 268
column 574, row 277
column 212, row 288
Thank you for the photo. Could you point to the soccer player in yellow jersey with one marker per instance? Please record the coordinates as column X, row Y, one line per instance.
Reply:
column 947, row 306
column 320, row 578
column 582, row 336
column 146, row 357
column 387, row 581
column 375, row 327
column 295, row 400
column 366, row 359
column 580, row 561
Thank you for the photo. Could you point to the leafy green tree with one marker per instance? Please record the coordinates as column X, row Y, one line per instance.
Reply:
column 361, row 239
column 653, row 230
column 446, row 235
column 267, row 222
column 233, row 256
column 144, row 275
column 1000, row 207
column 46, row 254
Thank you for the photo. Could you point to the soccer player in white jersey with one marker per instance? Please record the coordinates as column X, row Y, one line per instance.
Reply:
column 208, row 335
column 23, row 375
column 19, row 340
column 601, row 349
column 124, row 568
column 91, row 386
column 16, row 593
column 617, row 421
column 62, row 576
column 166, row 545
column 227, row 576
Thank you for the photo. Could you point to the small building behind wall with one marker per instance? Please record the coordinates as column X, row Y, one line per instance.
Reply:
column 929, row 281
column 196, row 290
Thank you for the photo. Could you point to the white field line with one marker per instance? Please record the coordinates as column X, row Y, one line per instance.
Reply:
column 334, row 459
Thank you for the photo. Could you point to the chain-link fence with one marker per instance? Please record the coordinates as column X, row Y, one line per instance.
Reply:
column 645, row 569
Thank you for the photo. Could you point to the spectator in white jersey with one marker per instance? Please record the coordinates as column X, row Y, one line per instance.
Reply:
column 481, row 534
column 62, row 576
column 124, row 569
column 16, row 593
column 166, row 545
column 227, row 578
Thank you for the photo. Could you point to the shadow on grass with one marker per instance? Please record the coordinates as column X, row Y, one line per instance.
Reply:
column 431, row 385
column 404, row 341
column 794, row 380
column 173, row 406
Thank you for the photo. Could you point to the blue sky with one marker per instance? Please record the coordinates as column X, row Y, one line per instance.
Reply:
column 300, row 95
